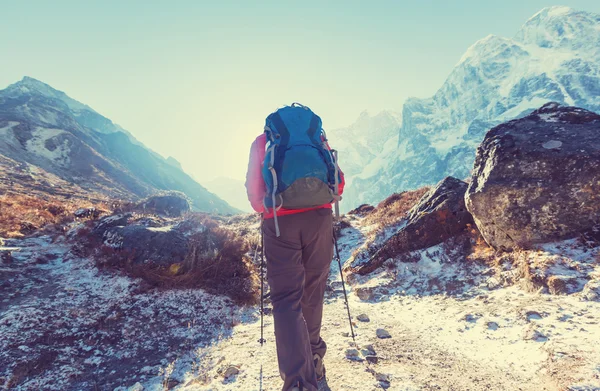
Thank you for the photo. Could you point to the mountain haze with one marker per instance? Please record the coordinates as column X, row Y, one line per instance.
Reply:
column 44, row 127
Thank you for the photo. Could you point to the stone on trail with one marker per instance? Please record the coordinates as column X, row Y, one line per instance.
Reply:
column 383, row 377
column 353, row 354
column 231, row 370
column 383, row 334
column 363, row 318
column 369, row 350
column 533, row 334
column 372, row 359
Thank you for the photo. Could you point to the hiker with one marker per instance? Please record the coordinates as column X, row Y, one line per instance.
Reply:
column 292, row 180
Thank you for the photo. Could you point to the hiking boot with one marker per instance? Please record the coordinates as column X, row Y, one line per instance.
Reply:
column 320, row 372
column 319, row 367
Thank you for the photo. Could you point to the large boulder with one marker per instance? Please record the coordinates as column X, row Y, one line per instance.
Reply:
column 438, row 216
column 173, row 204
column 196, row 252
column 148, row 246
column 537, row 179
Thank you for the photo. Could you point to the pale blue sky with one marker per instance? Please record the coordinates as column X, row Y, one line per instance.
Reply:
column 195, row 79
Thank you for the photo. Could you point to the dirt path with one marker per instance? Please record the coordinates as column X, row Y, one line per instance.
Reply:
column 431, row 367
column 411, row 361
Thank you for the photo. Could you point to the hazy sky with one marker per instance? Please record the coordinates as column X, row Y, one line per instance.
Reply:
column 195, row 79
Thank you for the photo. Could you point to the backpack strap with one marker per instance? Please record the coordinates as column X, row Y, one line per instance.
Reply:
column 334, row 158
column 271, row 151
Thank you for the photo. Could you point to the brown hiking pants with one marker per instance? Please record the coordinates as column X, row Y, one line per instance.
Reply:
column 297, row 269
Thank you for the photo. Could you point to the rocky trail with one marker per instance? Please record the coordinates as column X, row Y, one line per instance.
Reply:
column 70, row 326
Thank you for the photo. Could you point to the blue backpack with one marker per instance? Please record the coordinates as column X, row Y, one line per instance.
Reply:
column 299, row 170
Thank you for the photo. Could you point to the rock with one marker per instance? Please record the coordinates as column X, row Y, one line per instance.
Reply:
column 438, row 216
column 372, row 359
column 173, row 204
column 363, row 318
column 369, row 350
column 383, row 377
column 562, row 285
column 148, row 246
column 172, row 383
column 6, row 256
column 531, row 333
column 382, row 334
column 231, row 371
column 365, row 294
column 537, row 179
column 591, row 291
column 492, row 326
column 533, row 315
column 470, row 318
column 27, row 228
column 108, row 222
column 137, row 387
column 88, row 212
column 353, row 354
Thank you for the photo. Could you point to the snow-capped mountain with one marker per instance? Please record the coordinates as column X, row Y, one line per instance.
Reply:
column 363, row 146
column 45, row 128
column 555, row 56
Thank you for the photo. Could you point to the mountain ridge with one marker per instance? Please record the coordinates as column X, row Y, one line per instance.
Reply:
column 45, row 127
column 554, row 56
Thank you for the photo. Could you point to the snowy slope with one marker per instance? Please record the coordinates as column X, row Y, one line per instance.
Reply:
column 555, row 56
column 44, row 127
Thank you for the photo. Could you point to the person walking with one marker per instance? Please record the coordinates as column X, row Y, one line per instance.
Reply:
column 293, row 179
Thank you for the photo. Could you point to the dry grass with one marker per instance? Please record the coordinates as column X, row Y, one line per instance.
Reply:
column 480, row 249
column 22, row 215
column 394, row 208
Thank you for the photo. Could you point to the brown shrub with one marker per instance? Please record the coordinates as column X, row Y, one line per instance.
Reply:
column 362, row 210
column 22, row 214
column 394, row 208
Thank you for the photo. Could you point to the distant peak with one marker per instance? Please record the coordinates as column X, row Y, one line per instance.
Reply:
column 32, row 86
column 29, row 79
column 552, row 12
column 36, row 84
column 561, row 26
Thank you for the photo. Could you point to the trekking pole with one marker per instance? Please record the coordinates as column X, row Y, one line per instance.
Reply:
column 262, row 283
column 337, row 253
column 262, row 296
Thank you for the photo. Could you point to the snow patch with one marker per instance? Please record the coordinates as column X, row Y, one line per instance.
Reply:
column 37, row 145
column 4, row 131
column 558, row 10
